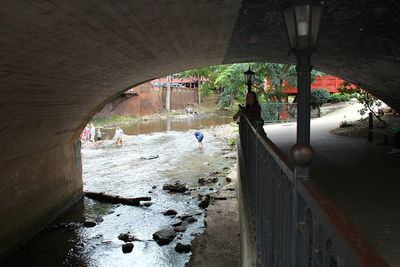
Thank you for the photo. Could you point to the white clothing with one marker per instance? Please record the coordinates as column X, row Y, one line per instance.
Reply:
column 92, row 133
column 119, row 133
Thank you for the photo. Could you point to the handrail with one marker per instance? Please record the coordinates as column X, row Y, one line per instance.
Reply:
column 343, row 231
column 281, row 158
column 273, row 214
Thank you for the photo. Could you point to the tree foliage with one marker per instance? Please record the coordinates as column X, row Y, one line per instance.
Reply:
column 369, row 102
column 319, row 97
column 229, row 80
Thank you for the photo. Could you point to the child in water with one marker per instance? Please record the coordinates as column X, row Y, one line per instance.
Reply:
column 199, row 136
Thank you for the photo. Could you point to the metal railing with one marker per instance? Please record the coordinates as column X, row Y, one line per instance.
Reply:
column 294, row 223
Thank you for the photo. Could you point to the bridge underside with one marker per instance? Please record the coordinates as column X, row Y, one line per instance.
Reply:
column 61, row 61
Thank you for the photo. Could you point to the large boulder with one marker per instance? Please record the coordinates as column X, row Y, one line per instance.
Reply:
column 164, row 236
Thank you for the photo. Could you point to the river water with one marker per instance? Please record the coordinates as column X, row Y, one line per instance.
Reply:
column 124, row 171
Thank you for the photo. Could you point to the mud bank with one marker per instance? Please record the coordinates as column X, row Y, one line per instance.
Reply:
column 219, row 245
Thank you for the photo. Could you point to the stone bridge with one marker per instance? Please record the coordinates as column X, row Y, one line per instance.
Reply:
column 62, row 61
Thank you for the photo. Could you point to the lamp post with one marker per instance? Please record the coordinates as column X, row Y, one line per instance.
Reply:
column 249, row 76
column 302, row 21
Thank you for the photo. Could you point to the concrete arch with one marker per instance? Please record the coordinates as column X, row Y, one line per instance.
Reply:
column 61, row 60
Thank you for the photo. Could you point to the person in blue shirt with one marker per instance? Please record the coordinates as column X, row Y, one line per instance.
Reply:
column 199, row 136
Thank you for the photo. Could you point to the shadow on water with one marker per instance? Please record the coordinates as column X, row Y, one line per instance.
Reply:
column 123, row 171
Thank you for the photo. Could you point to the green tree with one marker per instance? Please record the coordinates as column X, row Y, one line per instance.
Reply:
column 368, row 101
column 229, row 80
column 319, row 97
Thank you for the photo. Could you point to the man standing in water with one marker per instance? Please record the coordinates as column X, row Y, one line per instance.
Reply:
column 118, row 136
column 98, row 135
column 199, row 136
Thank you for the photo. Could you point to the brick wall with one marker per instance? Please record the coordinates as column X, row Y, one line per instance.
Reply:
column 147, row 99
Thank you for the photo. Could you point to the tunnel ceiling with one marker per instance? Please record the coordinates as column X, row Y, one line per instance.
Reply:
column 61, row 61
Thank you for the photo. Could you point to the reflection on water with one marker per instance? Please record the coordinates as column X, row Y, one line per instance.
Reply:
column 173, row 124
column 121, row 171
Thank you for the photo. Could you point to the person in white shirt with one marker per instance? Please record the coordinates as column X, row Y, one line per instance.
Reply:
column 118, row 136
column 92, row 132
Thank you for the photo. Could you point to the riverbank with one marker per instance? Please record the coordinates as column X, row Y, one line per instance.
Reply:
column 219, row 245
column 93, row 233
column 126, row 121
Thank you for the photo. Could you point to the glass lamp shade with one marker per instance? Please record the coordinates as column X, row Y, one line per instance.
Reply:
column 302, row 23
column 249, row 76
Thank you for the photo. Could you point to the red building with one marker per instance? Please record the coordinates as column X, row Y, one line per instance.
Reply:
column 327, row 82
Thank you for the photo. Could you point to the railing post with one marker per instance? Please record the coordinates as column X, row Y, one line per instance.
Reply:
column 301, row 153
column 370, row 127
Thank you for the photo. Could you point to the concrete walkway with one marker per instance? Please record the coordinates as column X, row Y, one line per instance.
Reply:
column 360, row 177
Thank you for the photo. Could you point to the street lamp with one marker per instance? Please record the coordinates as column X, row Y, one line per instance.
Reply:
column 302, row 22
column 249, row 77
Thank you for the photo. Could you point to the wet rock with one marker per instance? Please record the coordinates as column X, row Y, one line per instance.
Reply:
column 150, row 157
column 190, row 220
column 230, row 155
column 204, row 202
column 127, row 237
column 178, row 223
column 183, row 248
column 127, row 248
column 176, row 187
column 202, row 181
column 89, row 223
column 180, row 229
column 164, row 236
column 185, row 216
column 170, row 212
column 146, row 204
column 214, row 180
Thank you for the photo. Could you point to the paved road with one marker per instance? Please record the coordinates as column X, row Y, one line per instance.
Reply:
column 360, row 177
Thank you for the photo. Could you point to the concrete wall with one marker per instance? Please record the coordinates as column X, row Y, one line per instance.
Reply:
column 147, row 100
column 248, row 246
column 36, row 188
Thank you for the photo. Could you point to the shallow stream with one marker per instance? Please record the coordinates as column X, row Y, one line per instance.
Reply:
column 124, row 171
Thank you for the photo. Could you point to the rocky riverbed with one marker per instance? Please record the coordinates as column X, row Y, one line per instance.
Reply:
column 178, row 182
